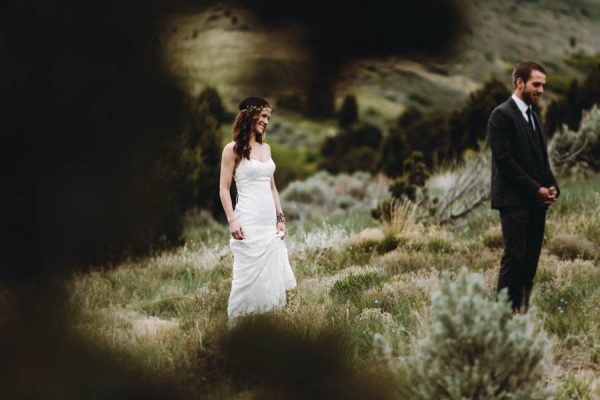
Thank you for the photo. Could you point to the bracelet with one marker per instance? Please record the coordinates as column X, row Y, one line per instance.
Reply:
column 280, row 217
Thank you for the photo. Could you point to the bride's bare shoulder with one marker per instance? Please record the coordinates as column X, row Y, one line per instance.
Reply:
column 228, row 152
column 228, row 147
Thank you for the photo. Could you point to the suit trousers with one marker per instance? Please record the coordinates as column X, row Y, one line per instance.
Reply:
column 523, row 234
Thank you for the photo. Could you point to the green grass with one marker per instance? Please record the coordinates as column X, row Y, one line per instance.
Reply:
column 377, row 282
column 571, row 307
column 352, row 288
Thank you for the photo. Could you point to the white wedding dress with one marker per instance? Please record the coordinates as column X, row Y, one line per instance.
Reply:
column 261, row 268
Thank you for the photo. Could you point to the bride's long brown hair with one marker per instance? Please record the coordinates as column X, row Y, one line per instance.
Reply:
column 244, row 124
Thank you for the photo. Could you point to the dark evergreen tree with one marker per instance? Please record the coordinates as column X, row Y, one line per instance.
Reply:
column 211, row 97
column 568, row 108
column 348, row 113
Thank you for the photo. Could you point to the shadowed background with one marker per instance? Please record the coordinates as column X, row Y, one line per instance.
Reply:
column 113, row 119
column 91, row 112
column 91, row 172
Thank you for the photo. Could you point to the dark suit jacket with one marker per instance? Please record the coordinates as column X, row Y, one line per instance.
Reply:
column 517, row 172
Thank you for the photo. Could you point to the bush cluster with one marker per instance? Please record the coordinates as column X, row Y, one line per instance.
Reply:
column 569, row 247
column 413, row 145
column 414, row 176
column 441, row 136
column 324, row 194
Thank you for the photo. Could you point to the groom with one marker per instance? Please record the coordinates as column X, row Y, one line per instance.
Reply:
column 523, row 185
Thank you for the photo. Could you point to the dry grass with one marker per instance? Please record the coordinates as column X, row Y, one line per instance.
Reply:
column 168, row 311
column 569, row 247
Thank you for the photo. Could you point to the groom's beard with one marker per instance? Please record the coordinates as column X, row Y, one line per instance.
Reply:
column 529, row 98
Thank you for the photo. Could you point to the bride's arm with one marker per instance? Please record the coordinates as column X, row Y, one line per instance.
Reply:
column 277, row 200
column 278, row 209
column 227, row 167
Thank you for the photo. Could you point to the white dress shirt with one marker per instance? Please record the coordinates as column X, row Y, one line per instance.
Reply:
column 523, row 108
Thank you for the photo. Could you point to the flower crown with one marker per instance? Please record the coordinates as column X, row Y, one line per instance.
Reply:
column 252, row 107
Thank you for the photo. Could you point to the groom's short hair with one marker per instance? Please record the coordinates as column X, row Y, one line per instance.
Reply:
column 523, row 70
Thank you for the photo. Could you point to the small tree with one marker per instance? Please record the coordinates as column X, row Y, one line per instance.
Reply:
column 395, row 147
column 191, row 165
column 414, row 177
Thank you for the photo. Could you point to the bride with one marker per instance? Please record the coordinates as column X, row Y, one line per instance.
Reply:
column 261, row 269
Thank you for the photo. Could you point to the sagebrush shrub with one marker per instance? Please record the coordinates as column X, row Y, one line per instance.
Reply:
column 324, row 194
column 570, row 247
column 572, row 151
column 476, row 348
column 454, row 193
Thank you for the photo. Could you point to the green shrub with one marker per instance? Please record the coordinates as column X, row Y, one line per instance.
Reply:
column 366, row 247
column 405, row 262
column 430, row 136
column 352, row 287
column 389, row 243
column 414, row 177
column 569, row 247
column 476, row 348
column 384, row 210
column 292, row 164
column 414, row 131
column 439, row 245
column 404, row 307
column 492, row 238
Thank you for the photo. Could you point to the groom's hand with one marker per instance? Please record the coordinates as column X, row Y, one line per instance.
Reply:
column 547, row 195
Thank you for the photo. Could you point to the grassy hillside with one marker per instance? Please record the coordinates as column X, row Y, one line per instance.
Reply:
column 226, row 47
column 357, row 277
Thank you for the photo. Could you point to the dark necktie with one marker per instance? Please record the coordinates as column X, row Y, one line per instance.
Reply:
column 537, row 143
column 530, row 119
